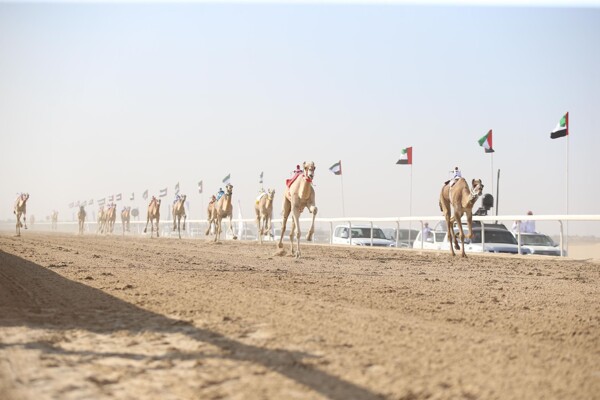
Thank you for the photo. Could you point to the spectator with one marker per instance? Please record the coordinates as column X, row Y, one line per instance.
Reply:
column 426, row 231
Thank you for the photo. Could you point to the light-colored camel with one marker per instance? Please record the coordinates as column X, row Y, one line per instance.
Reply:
column 101, row 220
column 20, row 210
column 221, row 208
column 263, row 207
column 456, row 201
column 111, row 217
column 81, row 218
column 209, row 215
column 54, row 219
column 125, row 218
column 153, row 214
column 178, row 212
column 297, row 197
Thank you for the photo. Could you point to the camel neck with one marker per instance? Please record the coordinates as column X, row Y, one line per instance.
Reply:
column 305, row 185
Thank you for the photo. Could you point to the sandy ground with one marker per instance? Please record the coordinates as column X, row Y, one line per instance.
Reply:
column 138, row 318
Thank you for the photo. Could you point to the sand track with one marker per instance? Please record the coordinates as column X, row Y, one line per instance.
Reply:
column 114, row 317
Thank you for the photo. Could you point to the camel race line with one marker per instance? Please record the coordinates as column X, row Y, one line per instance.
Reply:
column 111, row 317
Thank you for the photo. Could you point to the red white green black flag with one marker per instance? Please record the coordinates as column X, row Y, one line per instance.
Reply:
column 562, row 129
column 486, row 142
column 406, row 156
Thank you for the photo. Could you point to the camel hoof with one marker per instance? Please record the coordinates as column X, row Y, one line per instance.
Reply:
column 280, row 245
column 235, row 238
column 144, row 230
column 457, row 247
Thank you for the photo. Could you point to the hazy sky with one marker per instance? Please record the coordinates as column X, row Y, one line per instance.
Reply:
column 107, row 98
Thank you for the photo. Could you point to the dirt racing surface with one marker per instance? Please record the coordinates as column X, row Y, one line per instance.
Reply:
column 136, row 318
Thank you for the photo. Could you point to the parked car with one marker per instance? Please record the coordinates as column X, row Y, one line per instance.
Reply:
column 406, row 237
column 361, row 235
column 539, row 244
column 497, row 240
column 435, row 241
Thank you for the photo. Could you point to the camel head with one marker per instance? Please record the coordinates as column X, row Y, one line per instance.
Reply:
column 182, row 198
column 309, row 169
column 229, row 189
column 477, row 189
column 270, row 194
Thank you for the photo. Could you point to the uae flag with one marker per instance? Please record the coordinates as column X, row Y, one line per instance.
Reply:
column 227, row 179
column 261, row 177
column 132, row 197
column 145, row 194
column 119, row 197
column 163, row 192
column 101, row 202
column 486, row 142
column 111, row 198
column 177, row 188
column 336, row 168
column 200, row 187
column 91, row 202
column 562, row 129
column 406, row 156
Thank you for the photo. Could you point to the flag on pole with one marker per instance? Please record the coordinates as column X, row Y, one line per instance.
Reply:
column 336, row 168
column 177, row 188
column 486, row 142
column 200, row 187
column 101, row 202
column 163, row 192
column 111, row 198
column 145, row 195
column 562, row 129
column 119, row 196
column 261, row 178
column 227, row 179
column 132, row 197
column 90, row 202
column 405, row 156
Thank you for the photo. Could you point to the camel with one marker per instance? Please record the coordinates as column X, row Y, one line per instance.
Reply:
column 153, row 214
column 101, row 220
column 54, row 218
column 125, row 217
column 209, row 213
column 222, row 208
column 299, row 195
column 456, row 201
column 178, row 212
column 20, row 210
column 110, row 216
column 264, row 213
column 81, row 218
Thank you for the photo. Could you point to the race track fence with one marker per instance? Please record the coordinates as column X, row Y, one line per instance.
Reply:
column 198, row 227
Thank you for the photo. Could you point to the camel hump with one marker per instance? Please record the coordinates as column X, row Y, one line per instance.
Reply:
column 289, row 182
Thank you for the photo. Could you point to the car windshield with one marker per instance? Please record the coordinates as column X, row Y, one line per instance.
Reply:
column 366, row 233
column 536, row 240
column 494, row 236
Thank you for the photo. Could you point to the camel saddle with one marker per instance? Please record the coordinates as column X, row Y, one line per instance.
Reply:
column 288, row 182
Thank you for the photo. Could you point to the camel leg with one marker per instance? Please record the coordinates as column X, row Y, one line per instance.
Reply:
column 296, row 226
column 146, row 227
column 231, row 227
column 311, row 231
column 24, row 221
column 450, row 230
column 218, row 229
column 259, row 227
column 470, row 223
column 157, row 231
column 462, row 234
column 287, row 207
column 184, row 219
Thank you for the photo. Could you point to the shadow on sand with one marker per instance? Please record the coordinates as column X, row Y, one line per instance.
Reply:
column 36, row 297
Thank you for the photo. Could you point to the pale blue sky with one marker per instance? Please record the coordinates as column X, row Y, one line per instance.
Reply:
column 98, row 99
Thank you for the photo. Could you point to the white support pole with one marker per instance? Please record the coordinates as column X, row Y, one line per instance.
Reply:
column 492, row 159
column 567, row 191
column 343, row 204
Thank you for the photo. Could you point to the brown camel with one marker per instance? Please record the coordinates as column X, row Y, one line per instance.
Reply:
column 456, row 201
column 111, row 217
column 178, row 212
column 222, row 208
column 125, row 218
column 263, row 208
column 101, row 220
column 20, row 210
column 153, row 214
column 209, row 215
column 81, row 218
column 298, row 196
column 54, row 218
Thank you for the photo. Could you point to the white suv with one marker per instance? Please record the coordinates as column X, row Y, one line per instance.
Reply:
column 361, row 235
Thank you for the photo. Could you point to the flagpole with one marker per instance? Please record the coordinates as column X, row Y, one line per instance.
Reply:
column 343, row 205
column 492, row 172
column 567, row 191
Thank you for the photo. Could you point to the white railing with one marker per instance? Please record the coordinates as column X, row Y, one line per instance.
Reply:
column 91, row 226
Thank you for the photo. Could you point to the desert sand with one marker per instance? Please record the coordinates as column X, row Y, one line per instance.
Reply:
column 136, row 318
